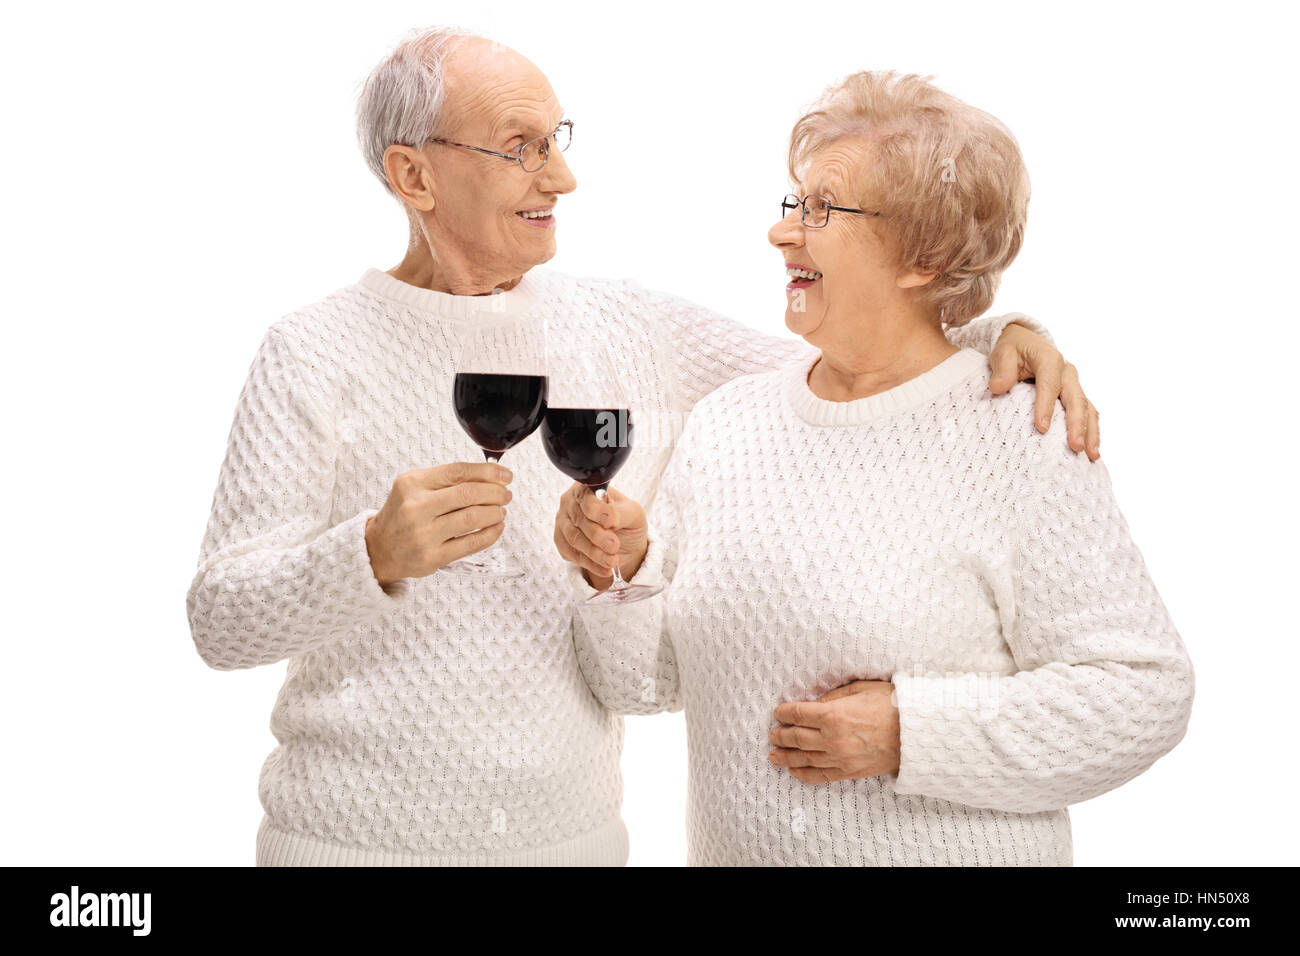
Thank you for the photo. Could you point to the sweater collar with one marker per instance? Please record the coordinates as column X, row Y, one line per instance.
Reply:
column 911, row 394
column 453, row 308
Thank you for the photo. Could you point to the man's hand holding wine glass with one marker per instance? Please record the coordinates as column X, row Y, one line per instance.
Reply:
column 595, row 535
column 433, row 516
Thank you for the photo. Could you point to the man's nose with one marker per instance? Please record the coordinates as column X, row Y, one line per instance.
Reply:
column 556, row 175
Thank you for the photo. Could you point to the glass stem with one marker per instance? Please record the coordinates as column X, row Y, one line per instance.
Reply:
column 493, row 554
column 619, row 584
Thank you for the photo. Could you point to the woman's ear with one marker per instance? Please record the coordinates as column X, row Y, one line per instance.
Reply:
column 913, row 279
column 410, row 176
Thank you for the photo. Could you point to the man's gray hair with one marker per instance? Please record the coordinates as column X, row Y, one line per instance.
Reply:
column 401, row 100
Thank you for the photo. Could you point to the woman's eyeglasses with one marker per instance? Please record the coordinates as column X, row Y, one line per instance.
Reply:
column 815, row 211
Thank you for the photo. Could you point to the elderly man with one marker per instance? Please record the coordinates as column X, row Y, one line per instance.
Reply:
column 431, row 718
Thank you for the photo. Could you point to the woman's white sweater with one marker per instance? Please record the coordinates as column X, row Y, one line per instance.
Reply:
column 444, row 721
column 928, row 536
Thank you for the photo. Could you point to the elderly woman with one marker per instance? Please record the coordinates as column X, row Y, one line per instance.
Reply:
column 903, row 630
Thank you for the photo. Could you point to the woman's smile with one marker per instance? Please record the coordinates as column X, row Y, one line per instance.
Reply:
column 801, row 276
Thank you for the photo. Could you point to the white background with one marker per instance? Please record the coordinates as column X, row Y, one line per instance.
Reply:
column 176, row 178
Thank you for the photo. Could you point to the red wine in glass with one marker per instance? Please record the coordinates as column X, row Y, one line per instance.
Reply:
column 498, row 411
column 590, row 445
column 573, row 441
column 499, row 398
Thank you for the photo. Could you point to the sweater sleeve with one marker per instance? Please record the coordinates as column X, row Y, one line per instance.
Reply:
column 983, row 334
column 626, row 652
column 710, row 349
column 1104, row 686
column 274, row 579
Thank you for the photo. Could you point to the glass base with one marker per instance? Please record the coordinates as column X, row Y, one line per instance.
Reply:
column 486, row 562
column 627, row 594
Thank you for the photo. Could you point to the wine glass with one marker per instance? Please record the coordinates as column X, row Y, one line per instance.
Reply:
column 587, row 434
column 500, row 397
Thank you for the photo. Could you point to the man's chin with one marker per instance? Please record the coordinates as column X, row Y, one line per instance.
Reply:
column 546, row 254
column 530, row 258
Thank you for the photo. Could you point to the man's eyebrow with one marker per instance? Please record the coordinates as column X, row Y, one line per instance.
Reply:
column 511, row 124
column 520, row 125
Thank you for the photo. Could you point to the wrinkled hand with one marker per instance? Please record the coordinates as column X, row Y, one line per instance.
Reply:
column 848, row 733
column 1020, row 354
column 434, row 516
column 595, row 535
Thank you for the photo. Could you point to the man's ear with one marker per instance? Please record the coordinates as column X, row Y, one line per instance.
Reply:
column 409, row 174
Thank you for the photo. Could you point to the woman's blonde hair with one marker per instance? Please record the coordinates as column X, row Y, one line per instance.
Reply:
column 948, row 177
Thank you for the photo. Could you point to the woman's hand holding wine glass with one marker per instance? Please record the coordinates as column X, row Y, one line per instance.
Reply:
column 599, row 535
column 434, row 516
column 587, row 433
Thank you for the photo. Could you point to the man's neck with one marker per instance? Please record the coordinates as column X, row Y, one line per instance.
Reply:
column 418, row 268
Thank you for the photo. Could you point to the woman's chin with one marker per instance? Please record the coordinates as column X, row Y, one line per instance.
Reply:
column 801, row 323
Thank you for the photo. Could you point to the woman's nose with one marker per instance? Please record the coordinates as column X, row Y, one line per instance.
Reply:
column 787, row 232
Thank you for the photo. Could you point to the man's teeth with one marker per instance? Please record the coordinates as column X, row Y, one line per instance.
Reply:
column 541, row 214
column 803, row 274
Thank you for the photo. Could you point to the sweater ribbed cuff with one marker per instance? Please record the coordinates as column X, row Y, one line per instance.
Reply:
column 355, row 569
column 983, row 334
column 935, row 714
column 650, row 572
column 1019, row 318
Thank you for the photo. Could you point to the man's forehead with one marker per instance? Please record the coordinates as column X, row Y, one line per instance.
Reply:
column 498, row 84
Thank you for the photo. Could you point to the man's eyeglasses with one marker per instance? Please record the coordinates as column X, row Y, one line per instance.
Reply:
column 815, row 211
column 532, row 156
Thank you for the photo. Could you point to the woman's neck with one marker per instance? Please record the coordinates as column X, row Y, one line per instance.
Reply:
column 874, row 361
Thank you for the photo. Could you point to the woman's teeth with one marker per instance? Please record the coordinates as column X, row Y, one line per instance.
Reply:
column 803, row 274
column 542, row 214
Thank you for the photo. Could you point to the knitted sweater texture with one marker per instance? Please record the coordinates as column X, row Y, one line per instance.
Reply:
column 445, row 720
column 927, row 535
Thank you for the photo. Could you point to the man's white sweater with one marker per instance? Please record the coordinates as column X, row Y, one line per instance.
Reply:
column 445, row 720
column 926, row 535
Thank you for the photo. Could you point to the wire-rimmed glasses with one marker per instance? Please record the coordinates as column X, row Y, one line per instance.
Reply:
column 532, row 156
column 815, row 210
